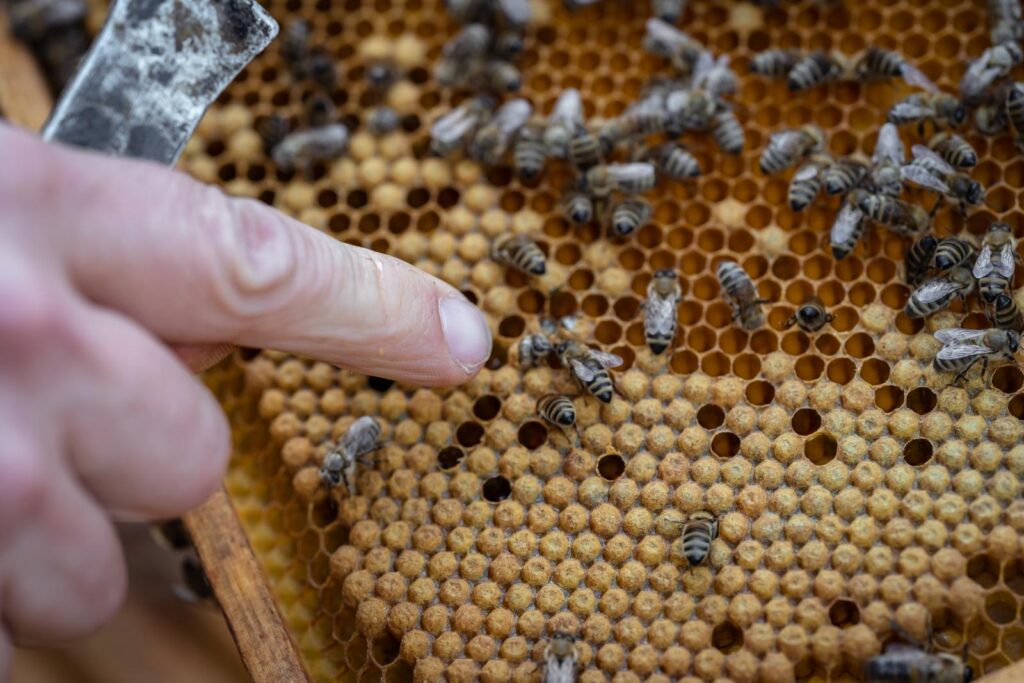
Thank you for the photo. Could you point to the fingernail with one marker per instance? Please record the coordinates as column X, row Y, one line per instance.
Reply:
column 465, row 332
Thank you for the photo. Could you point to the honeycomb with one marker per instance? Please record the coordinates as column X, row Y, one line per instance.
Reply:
column 853, row 486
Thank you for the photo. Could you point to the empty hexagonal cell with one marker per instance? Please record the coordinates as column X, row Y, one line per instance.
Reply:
column 844, row 613
column 917, row 452
column 611, row 466
column 1008, row 379
column 888, row 398
column 496, row 489
column 806, row 421
column 984, row 569
column 1001, row 607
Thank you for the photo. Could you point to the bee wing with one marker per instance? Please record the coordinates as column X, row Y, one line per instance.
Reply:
column 568, row 107
column 846, row 223
column 582, row 372
column 608, row 360
column 930, row 156
column 1007, row 261
column 513, row 115
column 786, row 141
column 889, row 147
column 806, row 172
column 983, row 265
column 958, row 335
column 933, row 290
column 516, row 11
column 361, row 437
column 920, row 176
column 705, row 63
column 659, row 315
column 955, row 351
column 910, row 110
column 453, row 125
column 915, row 77
column 664, row 33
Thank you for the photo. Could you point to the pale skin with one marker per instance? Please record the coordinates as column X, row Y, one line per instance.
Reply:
column 118, row 280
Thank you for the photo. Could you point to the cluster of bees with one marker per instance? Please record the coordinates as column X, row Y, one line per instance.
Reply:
column 479, row 57
column 55, row 32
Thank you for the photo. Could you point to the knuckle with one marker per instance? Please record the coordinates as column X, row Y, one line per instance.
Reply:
column 24, row 482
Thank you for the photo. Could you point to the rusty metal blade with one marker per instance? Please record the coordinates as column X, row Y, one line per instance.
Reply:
column 152, row 72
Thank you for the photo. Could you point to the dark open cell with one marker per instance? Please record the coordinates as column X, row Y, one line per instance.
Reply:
column 499, row 356
column 844, row 613
column 727, row 637
column 917, row 451
column 889, row 398
column 820, row 448
column 710, row 416
column 1008, row 379
column 725, row 444
column 487, row 407
column 922, row 400
column 533, row 435
column 1016, row 406
column 469, row 434
column 384, row 650
column 611, row 466
column 760, row 393
column 806, row 421
column 449, row 457
column 497, row 489
column 380, row 384
column 984, row 570
column 511, row 326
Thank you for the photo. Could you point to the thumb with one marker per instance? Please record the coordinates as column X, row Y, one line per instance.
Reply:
column 196, row 267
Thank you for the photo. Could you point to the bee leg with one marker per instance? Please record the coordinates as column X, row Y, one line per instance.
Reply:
column 984, row 369
column 904, row 635
column 962, row 375
column 937, row 206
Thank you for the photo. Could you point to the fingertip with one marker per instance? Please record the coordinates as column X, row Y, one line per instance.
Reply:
column 466, row 333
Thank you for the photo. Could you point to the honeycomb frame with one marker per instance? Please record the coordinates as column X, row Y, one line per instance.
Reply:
column 853, row 486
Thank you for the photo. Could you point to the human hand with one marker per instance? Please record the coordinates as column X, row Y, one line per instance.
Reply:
column 102, row 262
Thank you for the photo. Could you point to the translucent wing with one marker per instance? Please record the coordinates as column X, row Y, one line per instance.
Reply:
column 631, row 172
column 806, row 172
column 659, row 315
column 786, row 141
column 920, row 176
column 983, row 266
column 962, row 351
column 910, row 110
column 915, row 77
column 701, row 70
column 513, row 115
column 889, row 147
column 516, row 11
column 453, row 126
column 931, row 158
column 582, row 372
column 568, row 107
column 958, row 335
column 608, row 360
column 934, row 290
column 1007, row 261
column 846, row 223
column 361, row 437
column 560, row 671
column 664, row 34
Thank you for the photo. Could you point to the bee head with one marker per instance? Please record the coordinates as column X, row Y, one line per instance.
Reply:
column 665, row 272
column 1013, row 341
column 968, row 674
column 561, row 347
column 999, row 227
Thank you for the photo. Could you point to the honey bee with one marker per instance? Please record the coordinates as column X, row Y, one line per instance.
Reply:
column 272, row 130
column 952, row 253
column 529, row 153
column 912, row 661
column 846, row 230
column 815, row 69
column 304, row 148
column 954, row 149
column 497, row 74
column 875, row 62
column 295, row 46
column 699, row 530
column 589, row 368
column 990, row 117
column 694, row 108
column 896, row 214
column 322, row 70
column 886, row 161
column 493, row 139
column 963, row 348
column 994, row 63
column 932, row 172
column 936, row 294
column 939, row 108
column 565, row 119
column 842, row 175
column 806, row 182
column 630, row 178
column 741, row 294
column 454, row 128
column 787, row 147
column 557, row 410
column 674, row 160
column 534, row 348
column 320, row 110
column 515, row 13
column 521, row 253
column 811, row 316
column 578, row 207
column 629, row 214
column 1007, row 21
column 664, row 40
column 636, row 122
column 776, row 63
column 584, row 150
column 1015, row 111
column 560, row 656
column 471, row 42
column 727, row 131
column 919, row 258
column 382, row 120
column 382, row 74
column 995, row 275
column 660, row 317
column 339, row 466
column 1006, row 314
